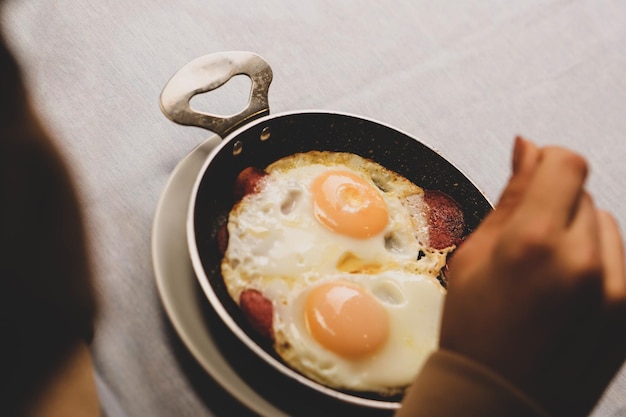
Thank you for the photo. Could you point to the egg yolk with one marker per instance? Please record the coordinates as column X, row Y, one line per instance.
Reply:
column 346, row 320
column 348, row 205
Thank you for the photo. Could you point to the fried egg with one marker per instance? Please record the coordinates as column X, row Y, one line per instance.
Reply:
column 361, row 332
column 339, row 245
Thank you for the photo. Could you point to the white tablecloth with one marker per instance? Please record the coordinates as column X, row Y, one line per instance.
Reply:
column 463, row 76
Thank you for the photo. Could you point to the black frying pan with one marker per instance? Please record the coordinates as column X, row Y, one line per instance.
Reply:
column 254, row 138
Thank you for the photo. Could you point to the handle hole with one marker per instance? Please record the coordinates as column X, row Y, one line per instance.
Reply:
column 227, row 100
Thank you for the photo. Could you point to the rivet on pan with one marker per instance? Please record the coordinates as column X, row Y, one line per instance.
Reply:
column 237, row 147
column 265, row 133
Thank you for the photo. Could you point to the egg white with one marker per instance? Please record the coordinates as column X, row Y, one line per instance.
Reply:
column 413, row 304
column 278, row 247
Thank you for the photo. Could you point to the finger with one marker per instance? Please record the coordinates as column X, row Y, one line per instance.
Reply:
column 601, row 335
column 555, row 188
column 582, row 249
column 525, row 158
column 593, row 345
column 525, row 155
column 612, row 252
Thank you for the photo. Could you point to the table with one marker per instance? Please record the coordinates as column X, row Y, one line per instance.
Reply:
column 464, row 77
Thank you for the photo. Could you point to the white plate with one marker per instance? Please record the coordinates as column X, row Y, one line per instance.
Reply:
column 249, row 380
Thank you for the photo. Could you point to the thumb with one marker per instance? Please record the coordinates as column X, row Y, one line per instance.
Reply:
column 525, row 159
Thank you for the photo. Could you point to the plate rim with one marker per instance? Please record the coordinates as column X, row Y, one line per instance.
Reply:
column 181, row 181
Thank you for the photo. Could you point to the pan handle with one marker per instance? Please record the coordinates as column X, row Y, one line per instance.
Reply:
column 208, row 73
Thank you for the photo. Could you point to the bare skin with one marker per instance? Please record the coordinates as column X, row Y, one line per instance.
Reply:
column 70, row 392
column 538, row 292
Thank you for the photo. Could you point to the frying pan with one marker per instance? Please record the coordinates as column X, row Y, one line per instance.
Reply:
column 255, row 138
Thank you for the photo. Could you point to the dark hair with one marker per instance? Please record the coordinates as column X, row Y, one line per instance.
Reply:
column 47, row 302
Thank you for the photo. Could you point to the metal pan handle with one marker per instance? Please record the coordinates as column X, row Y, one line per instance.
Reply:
column 208, row 73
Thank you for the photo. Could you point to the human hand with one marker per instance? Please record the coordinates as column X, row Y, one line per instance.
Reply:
column 538, row 292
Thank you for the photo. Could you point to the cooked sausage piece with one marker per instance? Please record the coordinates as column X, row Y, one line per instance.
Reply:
column 247, row 182
column 258, row 311
column 445, row 219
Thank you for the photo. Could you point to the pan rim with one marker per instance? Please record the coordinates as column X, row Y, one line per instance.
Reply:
column 216, row 303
